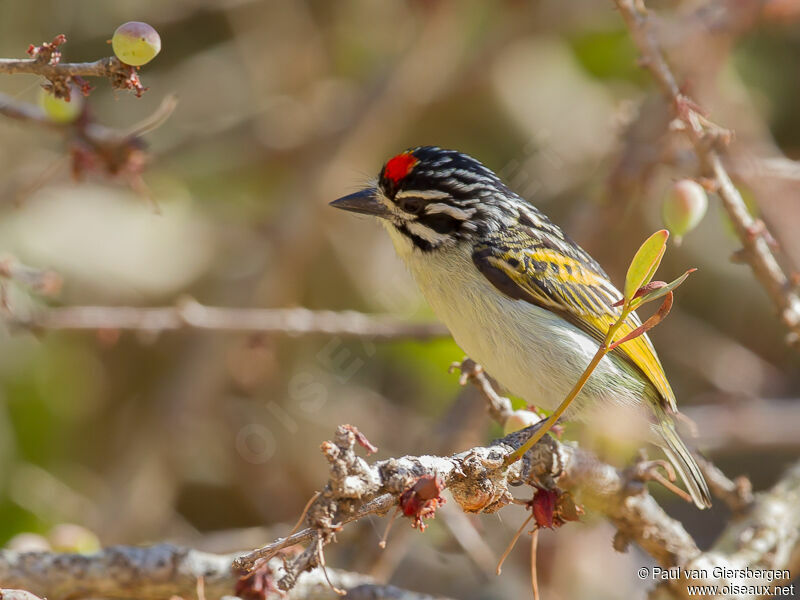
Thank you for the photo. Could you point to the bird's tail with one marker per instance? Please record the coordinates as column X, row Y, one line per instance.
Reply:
column 683, row 461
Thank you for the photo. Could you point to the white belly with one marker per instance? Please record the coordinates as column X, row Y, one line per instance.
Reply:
column 535, row 354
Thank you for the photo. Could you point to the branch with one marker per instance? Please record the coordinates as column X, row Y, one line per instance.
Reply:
column 766, row 533
column 164, row 571
column 46, row 62
column 704, row 137
column 17, row 595
column 23, row 111
column 93, row 147
column 768, row 538
column 189, row 314
column 478, row 481
column 105, row 67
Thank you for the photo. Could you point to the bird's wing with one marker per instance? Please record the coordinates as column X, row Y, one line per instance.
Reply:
column 556, row 274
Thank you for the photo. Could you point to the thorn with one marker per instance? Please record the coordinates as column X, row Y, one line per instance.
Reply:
column 621, row 542
column 382, row 543
column 739, row 257
column 758, row 229
column 709, row 184
column 755, row 229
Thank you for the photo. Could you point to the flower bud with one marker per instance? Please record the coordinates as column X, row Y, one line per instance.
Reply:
column 684, row 207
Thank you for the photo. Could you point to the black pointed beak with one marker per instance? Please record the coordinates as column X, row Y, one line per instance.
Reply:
column 365, row 202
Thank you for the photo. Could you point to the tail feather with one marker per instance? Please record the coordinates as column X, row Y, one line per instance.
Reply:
column 683, row 461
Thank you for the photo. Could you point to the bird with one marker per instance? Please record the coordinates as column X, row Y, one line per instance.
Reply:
column 517, row 294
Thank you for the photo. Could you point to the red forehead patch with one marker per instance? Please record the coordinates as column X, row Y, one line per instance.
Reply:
column 399, row 166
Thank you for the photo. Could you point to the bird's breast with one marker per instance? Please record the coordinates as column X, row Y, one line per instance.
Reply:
column 531, row 351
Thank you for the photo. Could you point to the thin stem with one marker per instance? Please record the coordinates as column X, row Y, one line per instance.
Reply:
column 576, row 389
column 303, row 514
column 382, row 543
column 548, row 425
column 511, row 544
column 321, row 559
column 534, row 573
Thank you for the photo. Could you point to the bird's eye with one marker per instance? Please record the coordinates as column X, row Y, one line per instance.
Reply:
column 412, row 205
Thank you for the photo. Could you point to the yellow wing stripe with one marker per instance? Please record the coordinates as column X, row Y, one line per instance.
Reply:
column 576, row 290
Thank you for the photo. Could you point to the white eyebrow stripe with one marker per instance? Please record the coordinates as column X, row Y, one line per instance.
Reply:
column 452, row 211
column 424, row 194
column 426, row 233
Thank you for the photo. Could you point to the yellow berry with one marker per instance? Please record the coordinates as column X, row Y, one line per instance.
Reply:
column 136, row 43
column 684, row 207
column 58, row 109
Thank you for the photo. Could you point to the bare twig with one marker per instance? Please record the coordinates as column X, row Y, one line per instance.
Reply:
column 499, row 407
column 161, row 571
column 17, row 595
column 41, row 281
column 94, row 147
column 766, row 539
column 23, row 111
column 376, row 506
column 704, row 137
column 109, row 67
column 46, row 62
column 771, row 424
column 534, row 574
column 189, row 314
column 778, row 167
column 736, row 493
column 479, row 481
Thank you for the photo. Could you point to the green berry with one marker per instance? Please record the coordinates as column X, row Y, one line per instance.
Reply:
column 520, row 419
column 67, row 537
column 60, row 110
column 684, row 207
column 136, row 43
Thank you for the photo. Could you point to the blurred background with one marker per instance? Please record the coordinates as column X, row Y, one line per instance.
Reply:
column 211, row 439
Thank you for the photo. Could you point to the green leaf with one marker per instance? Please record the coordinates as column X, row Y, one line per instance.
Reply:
column 645, row 262
column 657, row 293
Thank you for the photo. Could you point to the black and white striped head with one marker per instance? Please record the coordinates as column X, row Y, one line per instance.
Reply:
column 439, row 197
